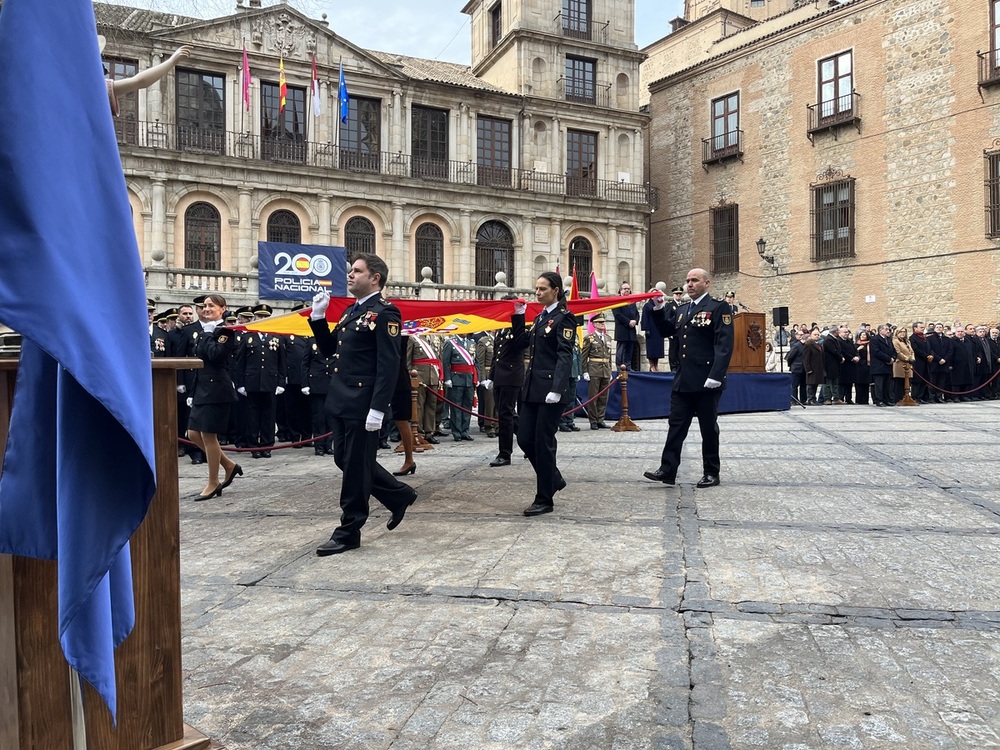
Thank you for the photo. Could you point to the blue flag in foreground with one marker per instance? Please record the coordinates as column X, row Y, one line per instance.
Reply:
column 79, row 471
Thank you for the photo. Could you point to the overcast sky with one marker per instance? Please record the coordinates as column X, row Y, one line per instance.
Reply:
column 434, row 29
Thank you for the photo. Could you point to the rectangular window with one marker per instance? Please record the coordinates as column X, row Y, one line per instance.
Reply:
column 496, row 25
column 581, row 163
column 493, row 151
column 360, row 136
column 201, row 111
column 429, row 143
column 756, row 3
column 995, row 34
column 992, row 194
column 726, row 125
column 836, row 87
column 581, row 80
column 127, row 122
column 725, row 238
column 576, row 19
column 283, row 133
column 833, row 220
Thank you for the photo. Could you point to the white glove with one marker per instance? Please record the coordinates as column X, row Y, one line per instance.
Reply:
column 182, row 389
column 321, row 300
column 553, row 398
column 520, row 307
column 711, row 383
column 278, row 391
column 586, row 376
column 210, row 326
column 487, row 384
column 447, row 383
column 189, row 401
column 241, row 390
column 305, row 391
column 659, row 302
column 374, row 421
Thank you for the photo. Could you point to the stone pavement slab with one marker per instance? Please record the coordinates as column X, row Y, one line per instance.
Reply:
column 840, row 589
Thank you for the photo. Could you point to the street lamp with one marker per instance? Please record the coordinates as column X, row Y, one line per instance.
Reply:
column 761, row 247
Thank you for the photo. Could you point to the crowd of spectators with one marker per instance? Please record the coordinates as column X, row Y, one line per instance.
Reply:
column 837, row 365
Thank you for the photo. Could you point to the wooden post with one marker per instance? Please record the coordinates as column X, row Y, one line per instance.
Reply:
column 624, row 424
column 907, row 398
column 419, row 444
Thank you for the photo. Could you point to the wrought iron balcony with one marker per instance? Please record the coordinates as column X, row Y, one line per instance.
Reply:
column 250, row 147
column 989, row 68
column 573, row 26
column 722, row 147
column 829, row 115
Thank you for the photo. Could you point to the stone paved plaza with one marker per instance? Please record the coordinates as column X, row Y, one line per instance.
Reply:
column 840, row 589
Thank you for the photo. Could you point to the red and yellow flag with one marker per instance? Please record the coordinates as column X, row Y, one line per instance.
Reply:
column 282, row 85
column 445, row 317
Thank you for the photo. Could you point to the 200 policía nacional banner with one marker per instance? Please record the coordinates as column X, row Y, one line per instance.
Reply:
column 297, row 272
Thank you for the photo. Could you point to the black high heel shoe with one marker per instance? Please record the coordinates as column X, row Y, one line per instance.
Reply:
column 217, row 492
column 237, row 469
column 404, row 472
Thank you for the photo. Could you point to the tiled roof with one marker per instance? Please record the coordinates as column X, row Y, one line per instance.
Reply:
column 137, row 20
column 436, row 71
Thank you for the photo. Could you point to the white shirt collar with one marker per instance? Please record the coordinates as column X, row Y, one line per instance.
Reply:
column 551, row 307
column 365, row 299
column 698, row 301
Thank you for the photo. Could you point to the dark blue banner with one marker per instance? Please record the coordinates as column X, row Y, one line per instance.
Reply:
column 297, row 272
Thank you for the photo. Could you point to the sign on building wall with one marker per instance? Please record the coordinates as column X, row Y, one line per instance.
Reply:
column 297, row 272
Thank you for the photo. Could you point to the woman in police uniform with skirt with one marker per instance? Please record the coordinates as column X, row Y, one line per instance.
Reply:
column 213, row 396
column 549, row 388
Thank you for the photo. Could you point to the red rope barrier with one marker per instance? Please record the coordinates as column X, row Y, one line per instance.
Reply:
column 259, row 448
column 955, row 393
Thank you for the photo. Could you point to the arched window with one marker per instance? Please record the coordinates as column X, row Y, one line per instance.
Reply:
column 430, row 251
column 581, row 258
column 202, row 237
column 359, row 236
column 494, row 253
column 283, row 226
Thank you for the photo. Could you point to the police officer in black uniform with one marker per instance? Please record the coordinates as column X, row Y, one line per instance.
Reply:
column 506, row 376
column 317, row 370
column 261, row 379
column 367, row 350
column 704, row 328
column 293, row 411
column 549, row 387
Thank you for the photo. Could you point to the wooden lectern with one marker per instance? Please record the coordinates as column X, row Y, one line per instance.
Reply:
column 749, row 335
column 35, row 711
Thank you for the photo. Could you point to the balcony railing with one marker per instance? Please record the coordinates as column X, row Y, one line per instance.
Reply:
column 584, row 92
column 721, row 147
column 250, row 147
column 989, row 68
column 844, row 110
column 575, row 27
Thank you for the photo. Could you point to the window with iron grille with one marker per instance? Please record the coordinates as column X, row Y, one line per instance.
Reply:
column 726, row 125
column 581, row 163
column 836, row 85
column 127, row 122
column 576, row 18
column 581, row 80
column 283, row 226
column 359, row 236
column 493, row 151
column 283, row 133
column 725, row 238
column 496, row 25
column 429, row 142
column 992, row 194
column 430, row 251
column 201, row 111
column 360, row 136
column 581, row 262
column 833, row 220
column 202, row 237
column 494, row 253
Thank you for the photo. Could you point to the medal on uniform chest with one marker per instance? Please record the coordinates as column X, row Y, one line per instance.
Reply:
column 548, row 327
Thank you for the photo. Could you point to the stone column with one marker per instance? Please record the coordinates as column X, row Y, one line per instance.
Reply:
column 466, row 254
column 555, row 148
column 555, row 247
column 398, row 256
column 524, row 269
column 396, row 131
column 323, row 230
column 611, row 260
column 611, row 165
column 158, row 230
column 246, row 258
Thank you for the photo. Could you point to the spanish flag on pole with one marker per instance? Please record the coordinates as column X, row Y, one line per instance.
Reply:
column 282, row 85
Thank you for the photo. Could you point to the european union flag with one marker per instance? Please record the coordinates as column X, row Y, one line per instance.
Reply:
column 79, row 472
column 342, row 96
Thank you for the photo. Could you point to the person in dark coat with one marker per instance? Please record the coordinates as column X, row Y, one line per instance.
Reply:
column 366, row 351
column 626, row 335
column 549, row 387
column 402, row 410
column 293, row 406
column 812, row 363
column 848, row 364
column 674, row 348
column 863, row 370
column 794, row 361
column 317, row 370
column 212, row 396
column 261, row 375
column 942, row 348
column 704, row 328
column 654, row 341
column 832, row 359
column 922, row 360
column 963, row 367
column 881, row 355
column 506, row 376
column 984, row 363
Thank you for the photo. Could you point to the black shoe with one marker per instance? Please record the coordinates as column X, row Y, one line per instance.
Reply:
column 432, row 440
column 574, row 428
column 537, row 509
column 403, row 472
column 237, row 469
column 500, row 461
column 217, row 492
column 563, row 428
column 328, row 452
column 438, row 433
column 265, row 454
column 595, row 427
column 602, row 426
column 384, row 445
column 320, row 452
column 467, row 437
column 197, row 460
column 397, row 517
column 659, row 476
column 254, row 454
column 333, row 547
column 707, row 481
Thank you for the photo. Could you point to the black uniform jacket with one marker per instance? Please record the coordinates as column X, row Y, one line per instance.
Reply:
column 550, row 356
column 212, row 384
column 260, row 363
column 365, row 347
column 508, row 361
column 316, row 369
column 704, row 335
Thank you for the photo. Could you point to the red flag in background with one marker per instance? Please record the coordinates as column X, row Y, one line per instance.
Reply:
column 594, row 294
column 574, row 290
column 315, row 89
column 246, row 79
column 282, row 85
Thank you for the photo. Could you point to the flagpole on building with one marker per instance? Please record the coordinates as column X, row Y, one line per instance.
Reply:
column 337, row 121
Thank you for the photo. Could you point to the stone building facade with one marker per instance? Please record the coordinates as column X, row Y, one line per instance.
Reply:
column 860, row 140
column 530, row 159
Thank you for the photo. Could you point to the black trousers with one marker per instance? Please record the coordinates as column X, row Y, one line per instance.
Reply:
column 320, row 420
column 861, row 390
column 536, row 436
column 505, row 397
column 918, row 385
column 261, row 408
column 684, row 407
column 624, row 351
column 298, row 419
column 354, row 451
column 882, row 389
column 799, row 388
